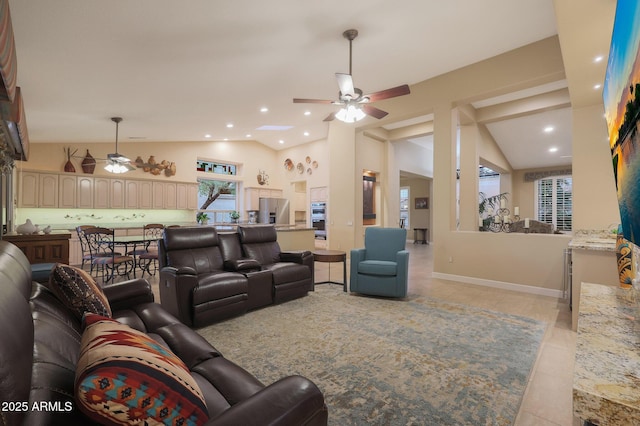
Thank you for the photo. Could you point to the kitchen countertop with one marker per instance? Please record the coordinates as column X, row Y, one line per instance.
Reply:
column 606, row 375
column 70, row 227
column 593, row 240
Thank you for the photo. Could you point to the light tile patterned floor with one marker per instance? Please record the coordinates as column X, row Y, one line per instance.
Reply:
column 548, row 398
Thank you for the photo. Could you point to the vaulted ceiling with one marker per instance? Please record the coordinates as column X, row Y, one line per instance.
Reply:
column 177, row 71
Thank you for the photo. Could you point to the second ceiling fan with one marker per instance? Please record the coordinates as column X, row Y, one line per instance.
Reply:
column 355, row 105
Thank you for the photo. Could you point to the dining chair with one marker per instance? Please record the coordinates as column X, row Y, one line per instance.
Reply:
column 101, row 243
column 152, row 232
column 87, row 256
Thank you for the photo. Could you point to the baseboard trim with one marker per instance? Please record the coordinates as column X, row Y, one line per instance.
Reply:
column 500, row 284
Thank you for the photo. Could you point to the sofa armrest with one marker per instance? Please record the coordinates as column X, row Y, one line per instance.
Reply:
column 128, row 293
column 181, row 270
column 291, row 400
column 357, row 256
column 297, row 256
column 242, row 265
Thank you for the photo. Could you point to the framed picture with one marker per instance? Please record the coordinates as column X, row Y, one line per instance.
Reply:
column 422, row 202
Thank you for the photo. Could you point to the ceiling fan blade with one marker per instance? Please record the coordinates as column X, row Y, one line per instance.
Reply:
column 374, row 112
column 345, row 83
column 311, row 101
column 389, row 93
column 330, row 117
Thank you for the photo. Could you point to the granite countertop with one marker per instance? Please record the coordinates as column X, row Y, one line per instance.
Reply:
column 599, row 240
column 606, row 378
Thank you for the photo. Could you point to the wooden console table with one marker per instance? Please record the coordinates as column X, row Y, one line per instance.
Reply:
column 606, row 372
column 43, row 248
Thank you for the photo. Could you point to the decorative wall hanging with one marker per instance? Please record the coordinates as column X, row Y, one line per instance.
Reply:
column 155, row 168
column 263, row 178
column 88, row 163
column 68, row 166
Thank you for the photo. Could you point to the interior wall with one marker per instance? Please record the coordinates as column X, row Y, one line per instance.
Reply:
column 524, row 192
column 418, row 188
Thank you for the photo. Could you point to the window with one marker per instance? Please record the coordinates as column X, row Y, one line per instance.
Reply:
column 554, row 202
column 404, row 207
column 217, row 198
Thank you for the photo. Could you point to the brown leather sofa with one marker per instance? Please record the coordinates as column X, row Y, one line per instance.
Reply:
column 41, row 345
column 292, row 271
column 206, row 276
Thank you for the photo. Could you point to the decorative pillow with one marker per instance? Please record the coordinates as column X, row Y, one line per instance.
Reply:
column 125, row 377
column 78, row 291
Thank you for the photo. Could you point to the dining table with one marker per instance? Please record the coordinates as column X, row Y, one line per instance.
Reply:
column 130, row 243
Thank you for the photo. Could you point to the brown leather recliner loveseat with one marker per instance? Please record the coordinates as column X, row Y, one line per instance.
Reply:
column 41, row 345
column 206, row 276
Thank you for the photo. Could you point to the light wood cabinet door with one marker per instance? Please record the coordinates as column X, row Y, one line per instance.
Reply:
column 48, row 190
column 145, row 194
column 181, row 196
column 131, row 194
column 192, row 196
column 158, row 195
column 67, row 187
column 101, row 193
column 29, row 183
column 170, row 195
column 117, row 193
column 84, row 193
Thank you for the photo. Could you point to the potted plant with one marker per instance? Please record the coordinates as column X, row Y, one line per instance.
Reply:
column 235, row 216
column 202, row 218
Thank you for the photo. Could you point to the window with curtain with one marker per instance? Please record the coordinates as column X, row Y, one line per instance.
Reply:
column 554, row 202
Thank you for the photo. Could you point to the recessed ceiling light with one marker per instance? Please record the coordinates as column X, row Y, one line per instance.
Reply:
column 207, row 136
column 264, row 109
column 280, row 141
column 306, row 133
column 549, row 129
column 553, row 149
column 307, row 113
column 248, row 135
column 225, row 139
column 229, row 125
column 598, row 58
column 597, row 86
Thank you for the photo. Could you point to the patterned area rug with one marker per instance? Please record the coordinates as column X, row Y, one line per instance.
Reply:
column 390, row 362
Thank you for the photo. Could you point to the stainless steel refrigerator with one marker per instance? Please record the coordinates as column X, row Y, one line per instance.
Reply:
column 273, row 210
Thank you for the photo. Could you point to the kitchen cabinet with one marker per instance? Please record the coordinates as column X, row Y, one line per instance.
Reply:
column 145, row 194
column 170, row 195
column 48, row 191
column 186, row 196
column 67, row 187
column 101, row 193
column 84, row 192
column 116, row 199
column 131, row 194
column 38, row 189
column 252, row 196
column 318, row 194
column 158, row 195
column 66, row 190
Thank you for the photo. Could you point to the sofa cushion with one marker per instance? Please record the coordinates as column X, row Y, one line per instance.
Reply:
column 377, row 267
column 78, row 291
column 287, row 272
column 124, row 376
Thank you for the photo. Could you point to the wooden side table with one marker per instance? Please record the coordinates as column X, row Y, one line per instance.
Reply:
column 329, row 256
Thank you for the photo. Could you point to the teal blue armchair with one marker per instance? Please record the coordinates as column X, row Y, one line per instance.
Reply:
column 381, row 268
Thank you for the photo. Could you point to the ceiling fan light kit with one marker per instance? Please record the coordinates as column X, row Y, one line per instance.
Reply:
column 117, row 163
column 355, row 105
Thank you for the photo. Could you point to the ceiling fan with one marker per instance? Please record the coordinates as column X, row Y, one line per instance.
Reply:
column 118, row 163
column 355, row 105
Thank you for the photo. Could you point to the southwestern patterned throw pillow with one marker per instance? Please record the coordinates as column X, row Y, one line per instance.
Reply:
column 125, row 377
column 78, row 291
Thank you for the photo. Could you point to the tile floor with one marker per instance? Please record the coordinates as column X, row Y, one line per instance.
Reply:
column 548, row 398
